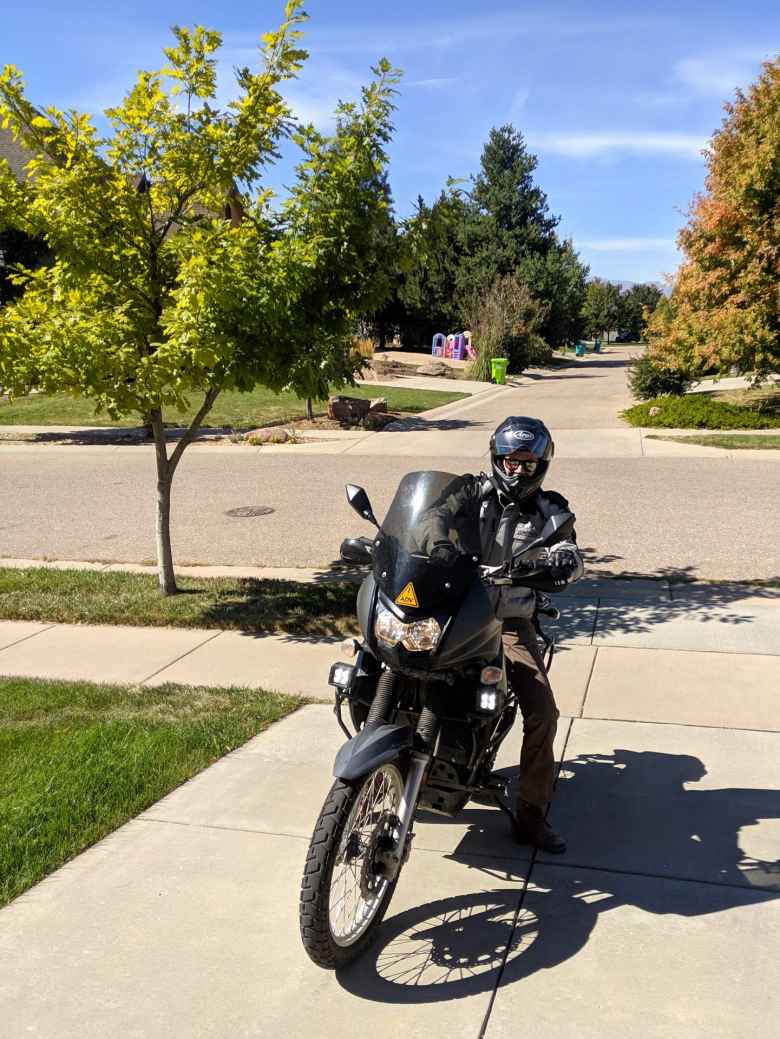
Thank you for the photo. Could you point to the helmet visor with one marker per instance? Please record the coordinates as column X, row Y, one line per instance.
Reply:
column 519, row 463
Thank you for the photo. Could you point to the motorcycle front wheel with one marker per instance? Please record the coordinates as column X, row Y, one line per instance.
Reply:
column 344, row 894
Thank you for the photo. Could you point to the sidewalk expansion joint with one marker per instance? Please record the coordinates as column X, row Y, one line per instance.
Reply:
column 766, row 892
column 676, row 649
column 502, row 968
column 587, row 684
column 218, row 826
column 27, row 638
column 681, row 725
column 176, row 660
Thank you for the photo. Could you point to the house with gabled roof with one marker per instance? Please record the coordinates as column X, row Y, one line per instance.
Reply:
column 14, row 153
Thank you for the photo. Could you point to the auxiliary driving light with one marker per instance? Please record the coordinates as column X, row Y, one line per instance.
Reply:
column 341, row 675
column 489, row 699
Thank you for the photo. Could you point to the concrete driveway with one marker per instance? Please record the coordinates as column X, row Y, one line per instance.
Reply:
column 662, row 919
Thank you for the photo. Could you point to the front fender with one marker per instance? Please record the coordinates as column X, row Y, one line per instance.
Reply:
column 373, row 746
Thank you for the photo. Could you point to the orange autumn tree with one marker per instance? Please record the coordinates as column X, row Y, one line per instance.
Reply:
column 724, row 310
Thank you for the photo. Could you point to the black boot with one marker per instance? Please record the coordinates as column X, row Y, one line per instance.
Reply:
column 530, row 827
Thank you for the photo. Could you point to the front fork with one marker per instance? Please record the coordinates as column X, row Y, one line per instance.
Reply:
column 394, row 856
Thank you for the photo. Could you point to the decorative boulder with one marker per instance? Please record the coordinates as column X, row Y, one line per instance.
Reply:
column 349, row 411
column 437, row 368
column 653, row 412
column 377, row 420
column 274, row 435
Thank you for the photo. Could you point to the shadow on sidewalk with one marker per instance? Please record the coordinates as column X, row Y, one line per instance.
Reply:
column 417, row 424
column 675, row 852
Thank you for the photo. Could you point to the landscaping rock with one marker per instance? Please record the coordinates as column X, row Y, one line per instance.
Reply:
column 438, row 368
column 387, row 366
column 376, row 420
column 349, row 411
column 653, row 412
column 267, row 436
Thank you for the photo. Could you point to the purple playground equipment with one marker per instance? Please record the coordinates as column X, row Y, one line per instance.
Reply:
column 455, row 347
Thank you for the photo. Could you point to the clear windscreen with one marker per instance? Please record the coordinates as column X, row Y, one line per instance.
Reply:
column 430, row 508
column 428, row 545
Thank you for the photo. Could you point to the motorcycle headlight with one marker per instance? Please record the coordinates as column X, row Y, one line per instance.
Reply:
column 417, row 637
column 388, row 629
column 422, row 635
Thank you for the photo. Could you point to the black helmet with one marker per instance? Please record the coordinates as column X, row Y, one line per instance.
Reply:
column 530, row 438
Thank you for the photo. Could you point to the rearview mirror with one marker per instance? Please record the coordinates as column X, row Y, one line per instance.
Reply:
column 358, row 499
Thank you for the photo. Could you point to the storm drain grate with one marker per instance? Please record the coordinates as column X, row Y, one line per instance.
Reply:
column 247, row 511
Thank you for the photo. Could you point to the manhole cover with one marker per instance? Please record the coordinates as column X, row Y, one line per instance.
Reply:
column 250, row 510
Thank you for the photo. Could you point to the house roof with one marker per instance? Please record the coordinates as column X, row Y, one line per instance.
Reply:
column 15, row 154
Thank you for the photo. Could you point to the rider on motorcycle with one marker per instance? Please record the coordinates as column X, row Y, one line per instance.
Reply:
column 513, row 508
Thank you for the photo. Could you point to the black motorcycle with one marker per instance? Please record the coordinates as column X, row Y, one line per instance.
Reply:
column 427, row 696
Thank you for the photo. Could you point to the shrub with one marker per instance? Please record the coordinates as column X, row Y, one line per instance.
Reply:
column 526, row 350
column 698, row 411
column 505, row 321
column 648, row 379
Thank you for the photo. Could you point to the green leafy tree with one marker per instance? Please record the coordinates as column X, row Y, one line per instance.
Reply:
column 174, row 277
column 601, row 307
column 422, row 274
column 559, row 280
column 635, row 306
column 507, row 218
column 341, row 200
column 428, row 290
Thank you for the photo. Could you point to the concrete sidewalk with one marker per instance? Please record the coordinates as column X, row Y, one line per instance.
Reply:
column 184, row 921
column 625, row 647
column 663, row 916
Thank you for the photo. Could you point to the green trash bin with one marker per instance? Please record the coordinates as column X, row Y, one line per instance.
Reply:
column 498, row 367
column 579, row 350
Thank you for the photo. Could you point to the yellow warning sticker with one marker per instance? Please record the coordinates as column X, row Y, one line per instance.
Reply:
column 408, row 597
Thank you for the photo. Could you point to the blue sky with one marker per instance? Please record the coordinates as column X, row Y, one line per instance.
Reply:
column 616, row 99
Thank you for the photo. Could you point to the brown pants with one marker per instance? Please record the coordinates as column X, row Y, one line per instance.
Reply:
column 528, row 679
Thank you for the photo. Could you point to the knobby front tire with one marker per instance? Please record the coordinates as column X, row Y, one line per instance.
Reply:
column 338, row 920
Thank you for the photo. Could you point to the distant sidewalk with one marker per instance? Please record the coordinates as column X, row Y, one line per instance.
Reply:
column 626, row 650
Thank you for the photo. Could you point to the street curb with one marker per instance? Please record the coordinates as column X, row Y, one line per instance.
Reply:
column 458, row 407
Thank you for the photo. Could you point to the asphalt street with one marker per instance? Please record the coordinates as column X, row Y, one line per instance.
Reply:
column 703, row 516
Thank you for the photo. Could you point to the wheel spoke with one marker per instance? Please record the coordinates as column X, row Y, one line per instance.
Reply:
column 350, row 910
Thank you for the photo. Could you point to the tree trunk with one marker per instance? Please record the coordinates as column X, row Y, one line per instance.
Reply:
column 166, row 468
column 166, row 575
column 309, row 409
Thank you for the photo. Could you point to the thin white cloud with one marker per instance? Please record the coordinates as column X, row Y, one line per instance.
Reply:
column 432, row 84
column 719, row 75
column 625, row 245
column 519, row 101
column 590, row 145
column 454, row 32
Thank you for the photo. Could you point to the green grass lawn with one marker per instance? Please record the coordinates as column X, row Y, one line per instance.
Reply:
column 93, row 597
column 733, row 441
column 235, row 410
column 77, row 760
column 700, row 411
